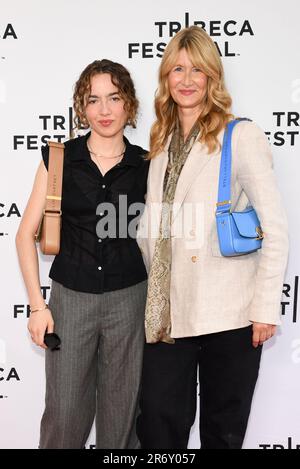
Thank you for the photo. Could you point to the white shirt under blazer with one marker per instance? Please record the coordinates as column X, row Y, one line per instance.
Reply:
column 211, row 293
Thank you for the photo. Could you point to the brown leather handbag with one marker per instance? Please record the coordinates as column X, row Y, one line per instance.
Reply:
column 48, row 232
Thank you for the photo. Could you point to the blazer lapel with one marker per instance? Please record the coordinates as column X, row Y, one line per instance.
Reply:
column 195, row 163
column 156, row 176
column 157, row 172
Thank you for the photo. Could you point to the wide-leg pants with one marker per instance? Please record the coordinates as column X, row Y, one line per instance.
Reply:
column 97, row 370
column 228, row 369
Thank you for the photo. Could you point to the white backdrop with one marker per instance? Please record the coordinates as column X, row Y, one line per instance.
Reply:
column 43, row 47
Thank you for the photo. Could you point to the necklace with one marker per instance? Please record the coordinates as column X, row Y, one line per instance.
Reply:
column 106, row 157
column 104, row 170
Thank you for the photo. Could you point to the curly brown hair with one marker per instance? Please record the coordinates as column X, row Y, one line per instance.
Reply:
column 120, row 77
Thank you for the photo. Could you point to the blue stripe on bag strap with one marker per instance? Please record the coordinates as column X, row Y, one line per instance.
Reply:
column 224, row 193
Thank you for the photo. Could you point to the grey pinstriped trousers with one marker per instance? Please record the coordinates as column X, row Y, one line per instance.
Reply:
column 97, row 370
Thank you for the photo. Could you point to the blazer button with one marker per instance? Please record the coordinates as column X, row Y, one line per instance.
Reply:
column 194, row 258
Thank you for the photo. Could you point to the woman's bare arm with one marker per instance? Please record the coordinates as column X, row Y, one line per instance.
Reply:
column 28, row 258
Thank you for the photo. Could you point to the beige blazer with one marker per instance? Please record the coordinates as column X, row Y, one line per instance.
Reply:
column 209, row 292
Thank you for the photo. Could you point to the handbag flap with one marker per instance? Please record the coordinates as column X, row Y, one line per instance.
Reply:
column 50, row 238
column 246, row 222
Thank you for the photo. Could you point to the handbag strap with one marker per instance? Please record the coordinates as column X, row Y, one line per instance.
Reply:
column 55, row 176
column 224, row 192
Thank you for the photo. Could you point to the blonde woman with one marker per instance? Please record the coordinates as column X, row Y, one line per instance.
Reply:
column 99, row 283
column 204, row 310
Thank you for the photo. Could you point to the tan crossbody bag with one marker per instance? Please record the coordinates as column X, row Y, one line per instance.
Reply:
column 48, row 232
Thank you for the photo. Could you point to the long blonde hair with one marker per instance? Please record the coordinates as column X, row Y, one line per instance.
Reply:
column 216, row 110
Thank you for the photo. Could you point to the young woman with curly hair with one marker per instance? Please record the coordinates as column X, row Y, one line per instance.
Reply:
column 98, row 292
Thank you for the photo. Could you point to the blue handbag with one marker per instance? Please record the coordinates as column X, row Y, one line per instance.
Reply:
column 238, row 232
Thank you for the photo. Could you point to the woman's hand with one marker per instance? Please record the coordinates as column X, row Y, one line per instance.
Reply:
column 261, row 333
column 40, row 322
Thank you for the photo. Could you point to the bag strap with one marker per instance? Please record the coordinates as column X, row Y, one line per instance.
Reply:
column 224, row 192
column 55, row 177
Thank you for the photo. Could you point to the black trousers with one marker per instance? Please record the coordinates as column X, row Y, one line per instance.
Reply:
column 228, row 370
